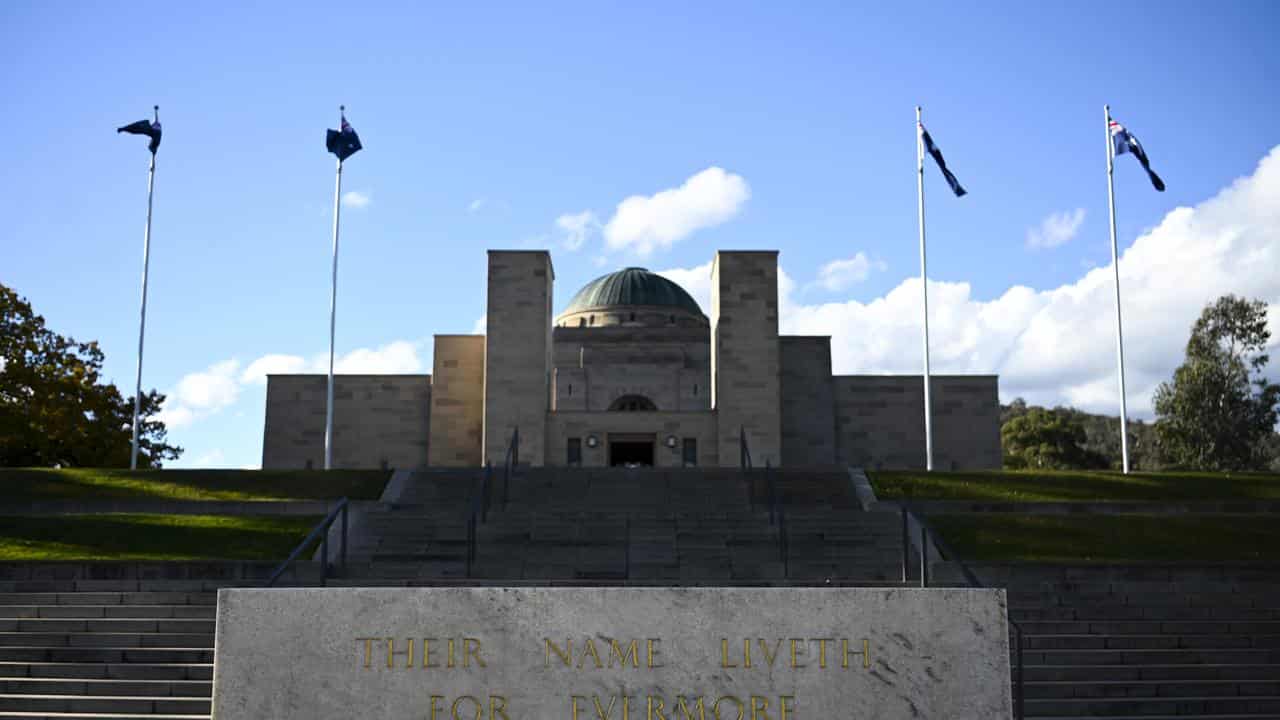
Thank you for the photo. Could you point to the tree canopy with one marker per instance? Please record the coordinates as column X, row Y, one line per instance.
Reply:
column 55, row 409
column 1219, row 410
column 1047, row 439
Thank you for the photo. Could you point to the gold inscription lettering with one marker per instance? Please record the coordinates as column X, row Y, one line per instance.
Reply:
column 368, row 651
column 392, row 652
column 656, row 706
column 770, row 655
column 715, row 709
column 450, row 662
column 590, row 649
column 866, row 653
column 724, row 654
column 653, row 651
column 601, row 713
column 686, row 712
column 426, row 654
column 470, row 649
column 573, row 703
column 633, row 651
column 822, row 652
column 497, row 703
column 759, row 708
column 454, row 710
column 566, row 656
column 786, row 706
column 794, row 643
column 435, row 705
column 746, row 652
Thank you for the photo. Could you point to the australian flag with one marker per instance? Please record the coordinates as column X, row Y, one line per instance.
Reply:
column 933, row 150
column 343, row 142
column 144, row 127
column 1124, row 142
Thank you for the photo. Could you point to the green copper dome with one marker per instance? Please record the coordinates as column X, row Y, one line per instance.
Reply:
column 631, row 286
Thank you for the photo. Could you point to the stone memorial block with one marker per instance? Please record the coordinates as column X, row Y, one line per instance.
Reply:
column 611, row 654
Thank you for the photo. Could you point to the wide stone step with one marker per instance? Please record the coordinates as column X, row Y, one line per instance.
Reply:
column 1148, row 642
column 1228, row 656
column 1158, row 673
column 104, row 704
column 112, row 625
column 108, row 671
column 113, row 688
column 110, row 598
column 143, row 655
column 1152, row 627
column 1152, row 689
column 105, row 639
column 1142, row 706
column 158, row 612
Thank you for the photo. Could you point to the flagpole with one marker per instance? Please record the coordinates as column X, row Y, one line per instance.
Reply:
column 333, row 315
column 142, row 322
column 924, row 287
column 1115, row 266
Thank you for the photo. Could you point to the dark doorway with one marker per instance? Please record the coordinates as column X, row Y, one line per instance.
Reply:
column 631, row 453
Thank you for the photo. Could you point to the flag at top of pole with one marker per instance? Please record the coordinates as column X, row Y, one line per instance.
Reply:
column 1126, row 142
column 152, row 130
column 925, row 144
column 343, row 142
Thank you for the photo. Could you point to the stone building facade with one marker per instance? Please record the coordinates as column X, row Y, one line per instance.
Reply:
column 632, row 372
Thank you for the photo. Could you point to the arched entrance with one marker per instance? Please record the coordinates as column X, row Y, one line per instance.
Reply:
column 632, row 403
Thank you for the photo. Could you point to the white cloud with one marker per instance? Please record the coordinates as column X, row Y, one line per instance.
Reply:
column 201, row 393
column 477, row 205
column 258, row 370
column 1058, row 345
column 356, row 199
column 643, row 224
column 577, row 228
column 840, row 275
column 482, row 325
column 695, row 280
column 1056, row 229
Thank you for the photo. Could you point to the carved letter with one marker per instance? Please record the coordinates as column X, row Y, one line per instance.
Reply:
column 391, row 653
column 759, row 708
column 426, row 654
column 822, row 652
column 470, row 649
column 684, row 709
column 716, row 708
column 794, row 662
column 633, row 650
column 655, row 708
column 435, row 705
column 724, row 654
column 769, row 655
column 590, row 649
column 785, row 706
column 368, row 650
column 454, row 710
column 573, row 703
column 600, row 711
column 565, row 656
column 497, row 705
column 653, row 651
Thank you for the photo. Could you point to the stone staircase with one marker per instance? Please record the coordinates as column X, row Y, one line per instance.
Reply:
column 639, row 526
column 1191, row 644
column 106, row 654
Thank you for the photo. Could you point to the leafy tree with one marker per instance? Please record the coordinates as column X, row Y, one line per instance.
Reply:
column 54, row 407
column 1219, row 410
column 1047, row 439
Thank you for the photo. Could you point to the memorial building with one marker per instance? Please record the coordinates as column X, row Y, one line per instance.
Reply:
column 633, row 372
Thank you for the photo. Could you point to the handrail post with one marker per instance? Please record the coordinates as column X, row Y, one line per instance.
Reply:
column 924, row 556
column 1018, row 704
column 324, row 558
column 344, row 539
column 484, row 497
column 906, row 542
column 627, row 553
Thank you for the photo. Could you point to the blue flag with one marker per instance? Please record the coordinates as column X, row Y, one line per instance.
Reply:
column 144, row 127
column 1124, row 142
column 933, row 150
column 343, row 142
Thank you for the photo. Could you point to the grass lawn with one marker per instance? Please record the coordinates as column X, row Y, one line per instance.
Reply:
column 1109, row 538
column 26, row 484
column 151, row 537
column 1074, row 486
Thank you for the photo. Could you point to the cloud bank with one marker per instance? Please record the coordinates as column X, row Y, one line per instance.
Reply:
column 1057, row 229
column 644, row 223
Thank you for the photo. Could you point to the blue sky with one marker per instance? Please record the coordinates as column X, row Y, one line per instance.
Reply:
column 499, row 126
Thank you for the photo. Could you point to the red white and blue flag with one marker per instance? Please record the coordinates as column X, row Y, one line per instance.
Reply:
column 1124, row 141
column 933, row 150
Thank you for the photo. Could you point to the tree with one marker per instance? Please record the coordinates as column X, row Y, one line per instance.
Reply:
column 1219, row 410
column 1047, row 439
column 54, row 407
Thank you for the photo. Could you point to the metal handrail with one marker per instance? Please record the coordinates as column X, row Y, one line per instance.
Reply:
column 321, row 529
column 481, row 500
column 927, row 534
column 744, row 452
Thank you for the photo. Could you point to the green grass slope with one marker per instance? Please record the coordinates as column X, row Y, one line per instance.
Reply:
column 31, row 484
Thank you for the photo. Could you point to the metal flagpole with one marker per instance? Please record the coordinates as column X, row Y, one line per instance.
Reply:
column 1115, row 266
column 142, row 323
column 333, row 314
column 924, row 287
